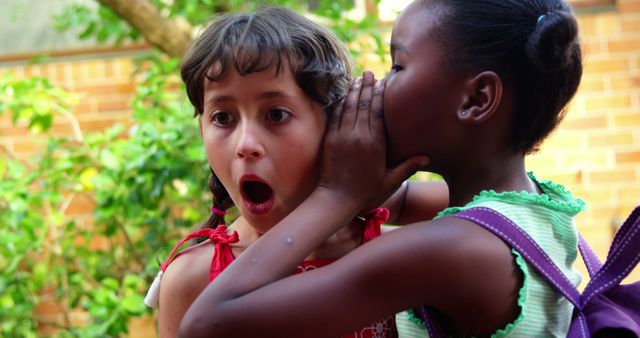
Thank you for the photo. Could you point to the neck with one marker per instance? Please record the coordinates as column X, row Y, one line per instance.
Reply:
column 505, row 173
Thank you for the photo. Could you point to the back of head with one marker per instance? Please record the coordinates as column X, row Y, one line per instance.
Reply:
column 532, row 45
column 272, row 38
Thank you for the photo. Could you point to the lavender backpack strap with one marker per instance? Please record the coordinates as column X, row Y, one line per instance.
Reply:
column 623, row 257
column 509, row 232
column 591, row 261
column 629, row 225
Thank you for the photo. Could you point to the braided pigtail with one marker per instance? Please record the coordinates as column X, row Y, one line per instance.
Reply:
column 221, row 203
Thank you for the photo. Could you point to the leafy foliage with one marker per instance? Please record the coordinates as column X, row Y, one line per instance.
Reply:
column 144, row 178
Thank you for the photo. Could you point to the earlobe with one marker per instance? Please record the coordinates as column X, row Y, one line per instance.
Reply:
column 483, row 98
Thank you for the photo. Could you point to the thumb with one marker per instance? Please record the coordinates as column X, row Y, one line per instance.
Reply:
column 398, row 174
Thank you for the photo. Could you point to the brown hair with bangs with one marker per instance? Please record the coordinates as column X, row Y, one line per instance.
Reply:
column 272, row 37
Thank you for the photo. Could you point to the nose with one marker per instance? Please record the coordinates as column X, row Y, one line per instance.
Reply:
column 249, row 143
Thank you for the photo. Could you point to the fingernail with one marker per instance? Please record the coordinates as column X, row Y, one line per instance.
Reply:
column 368, row 77
column 378, row 87
column 424, row 162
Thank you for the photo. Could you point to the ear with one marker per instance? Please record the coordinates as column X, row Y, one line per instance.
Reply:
column 483, row 97
column 200, row 125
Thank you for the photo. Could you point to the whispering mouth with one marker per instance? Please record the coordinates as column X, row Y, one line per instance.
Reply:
column 256, row 192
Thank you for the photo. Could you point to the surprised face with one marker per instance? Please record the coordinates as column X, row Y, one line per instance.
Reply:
column 262, row 137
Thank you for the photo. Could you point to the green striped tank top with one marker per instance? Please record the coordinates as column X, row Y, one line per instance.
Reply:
column 548, row 219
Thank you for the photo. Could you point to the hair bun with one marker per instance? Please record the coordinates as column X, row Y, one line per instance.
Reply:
column 553, row 42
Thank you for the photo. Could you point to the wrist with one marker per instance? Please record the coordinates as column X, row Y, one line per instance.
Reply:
column 336, row 201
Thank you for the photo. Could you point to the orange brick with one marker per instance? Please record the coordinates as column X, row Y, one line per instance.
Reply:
column 627, row 120
column 96, row 69
column 628, row 157
column 109, row 68
column 630, row 25
column 61, row 74
column 607, row 102
column 629, row 193
column 85, row 107
column 625, row 82
column 564, row 141
column 117, row 105
column 80, row 72
column 607, row 24
column 566, row 178
column 80, row 205
column 587, row 25
column 614, row 175
column 107, row 88
column 12, row 130
column 610, row 138
column 595, row 194
column 545, row 159
column 585, row 123
column 97, row 125
column 27, row 147
column 591, row 84
column 592, row 47
column 623, row 45
column 594, row 158
column 609, row 65
column 628, row 6
column 62, row 128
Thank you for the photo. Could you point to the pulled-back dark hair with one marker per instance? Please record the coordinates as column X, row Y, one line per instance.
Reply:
column 270, row 38
column 533, row 46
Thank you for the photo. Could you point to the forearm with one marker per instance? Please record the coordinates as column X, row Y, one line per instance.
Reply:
column 417, row 201
column 274, row 256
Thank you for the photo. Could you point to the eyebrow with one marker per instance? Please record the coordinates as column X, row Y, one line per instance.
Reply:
column 263, row 95
column 396, row 47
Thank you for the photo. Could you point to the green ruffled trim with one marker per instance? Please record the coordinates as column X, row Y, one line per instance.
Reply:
column 565, row 202
column 411, row 315
column 522, row 297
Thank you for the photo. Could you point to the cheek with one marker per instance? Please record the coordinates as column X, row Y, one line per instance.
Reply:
column 216, row 151
column 302, row 163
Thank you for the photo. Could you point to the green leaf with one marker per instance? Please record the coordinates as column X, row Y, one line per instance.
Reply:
column 134, row 304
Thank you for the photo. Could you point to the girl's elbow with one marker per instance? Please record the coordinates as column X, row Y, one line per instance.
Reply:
column 201, row 327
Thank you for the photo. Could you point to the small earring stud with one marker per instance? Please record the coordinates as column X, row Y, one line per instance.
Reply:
column 463, row 113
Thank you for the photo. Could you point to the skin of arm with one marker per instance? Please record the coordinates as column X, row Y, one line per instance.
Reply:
column 382, row 277
column 181, row 284
column 417, row 201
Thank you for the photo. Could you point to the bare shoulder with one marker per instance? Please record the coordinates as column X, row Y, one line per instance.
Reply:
column 189, row 272
column 182, row 282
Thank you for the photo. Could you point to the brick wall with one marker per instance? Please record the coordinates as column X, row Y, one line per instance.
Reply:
column 595, row 152
column 104, row 86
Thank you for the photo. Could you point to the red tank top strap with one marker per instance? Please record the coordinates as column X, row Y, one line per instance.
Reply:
column 373, row 222
column 222, row 250
column 222, row 254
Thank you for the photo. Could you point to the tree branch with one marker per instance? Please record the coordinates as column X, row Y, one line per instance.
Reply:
column 172, row 36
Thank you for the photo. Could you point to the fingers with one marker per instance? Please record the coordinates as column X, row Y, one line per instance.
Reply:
column 404, row 170
column 349, row 110
column 376, row 124
column 363, row 110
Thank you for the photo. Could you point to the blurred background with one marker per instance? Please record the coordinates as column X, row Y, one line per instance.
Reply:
column 102, row 168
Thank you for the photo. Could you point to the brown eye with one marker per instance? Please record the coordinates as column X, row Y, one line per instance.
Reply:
column 221, row 118
column 278, row 115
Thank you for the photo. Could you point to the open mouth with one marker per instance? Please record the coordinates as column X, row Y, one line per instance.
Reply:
column 256, row 192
